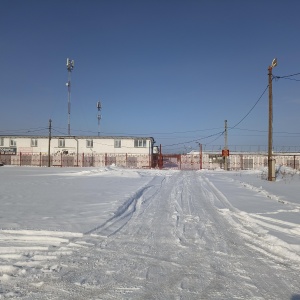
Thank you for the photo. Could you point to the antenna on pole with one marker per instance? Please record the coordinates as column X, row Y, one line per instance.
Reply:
column 99, row 115
column 70, row 67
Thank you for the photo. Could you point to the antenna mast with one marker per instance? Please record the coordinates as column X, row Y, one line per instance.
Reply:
column 70, row 67
column 99, row 116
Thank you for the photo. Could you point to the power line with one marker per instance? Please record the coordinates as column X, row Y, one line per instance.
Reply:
column 194, row 141
column 149, row 133
column 286, row 76
column 291, row 79
column 24, row 130
column 216, row 138
column 59, row 131
column 250, row 109
column 279, row 132
column 219, row 134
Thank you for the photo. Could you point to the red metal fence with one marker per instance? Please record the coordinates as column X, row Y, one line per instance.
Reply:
column 78, row 160
column 245, row 161
column 163, row 161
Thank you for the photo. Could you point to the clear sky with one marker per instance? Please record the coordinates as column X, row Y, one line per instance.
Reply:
column 174, row 70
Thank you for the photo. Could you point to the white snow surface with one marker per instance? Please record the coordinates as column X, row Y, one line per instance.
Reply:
column 112, row 233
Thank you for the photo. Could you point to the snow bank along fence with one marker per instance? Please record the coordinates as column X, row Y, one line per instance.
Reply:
column 236, row 161
column 78, row 160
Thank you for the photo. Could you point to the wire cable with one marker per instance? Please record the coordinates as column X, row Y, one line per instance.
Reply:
column 249, row 110
column 286, row 76
column 196, row 140
column 20, row 131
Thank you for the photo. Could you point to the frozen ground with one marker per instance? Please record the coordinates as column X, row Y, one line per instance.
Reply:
column 111, row 233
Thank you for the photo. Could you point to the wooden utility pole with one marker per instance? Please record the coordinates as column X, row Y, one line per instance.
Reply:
column 271, row 165
column 226, row 148
column 200, row 153
column 49, row 141
column 160, row 160
column 200, row 156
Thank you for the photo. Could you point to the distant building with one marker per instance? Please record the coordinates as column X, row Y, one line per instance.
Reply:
column 77, row 144
column 77, row 150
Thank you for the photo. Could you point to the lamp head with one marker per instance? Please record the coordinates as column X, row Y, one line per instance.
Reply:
column 274, row 63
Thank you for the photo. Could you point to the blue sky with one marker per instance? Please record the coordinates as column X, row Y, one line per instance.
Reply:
column 174, row 70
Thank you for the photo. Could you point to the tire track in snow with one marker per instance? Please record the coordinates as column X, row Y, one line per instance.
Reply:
column 84, row 272
column 253, row 228
column 245, row 264
column 124, row 213
column 146, row 260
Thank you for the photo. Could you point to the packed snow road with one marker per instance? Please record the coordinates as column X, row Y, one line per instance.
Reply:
column 176, row 237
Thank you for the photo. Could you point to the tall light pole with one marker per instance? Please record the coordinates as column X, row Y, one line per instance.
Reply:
column 70, row 67
column 271, row 164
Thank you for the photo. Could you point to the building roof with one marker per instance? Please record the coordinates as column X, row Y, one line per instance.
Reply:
column 76, row 137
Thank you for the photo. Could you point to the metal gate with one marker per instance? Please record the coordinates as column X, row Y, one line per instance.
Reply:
column 171, row 161
column 180, row 161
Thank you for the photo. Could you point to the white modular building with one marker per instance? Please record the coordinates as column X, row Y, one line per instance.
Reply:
column 77, row 144
column 125, row 151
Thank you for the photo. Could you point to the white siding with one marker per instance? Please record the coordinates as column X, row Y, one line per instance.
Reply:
column 79, row 145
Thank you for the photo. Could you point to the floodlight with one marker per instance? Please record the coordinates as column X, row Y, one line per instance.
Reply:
column 274, row 63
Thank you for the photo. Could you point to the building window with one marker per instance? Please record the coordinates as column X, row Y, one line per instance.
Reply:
column 13, row 143
column 89, row 143
column 140, row 143
column 1, row 141
column 61, row 143
column 117, row 143
column 34, row 142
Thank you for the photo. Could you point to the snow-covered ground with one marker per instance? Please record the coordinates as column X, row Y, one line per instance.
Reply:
column 111, row 233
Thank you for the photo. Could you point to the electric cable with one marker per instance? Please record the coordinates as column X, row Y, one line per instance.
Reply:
column 250, row 109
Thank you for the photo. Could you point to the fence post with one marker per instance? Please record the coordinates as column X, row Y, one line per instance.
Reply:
column 160, row 160
column 201, row 157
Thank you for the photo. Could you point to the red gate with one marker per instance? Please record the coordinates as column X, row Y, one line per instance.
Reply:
column 179, row 161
